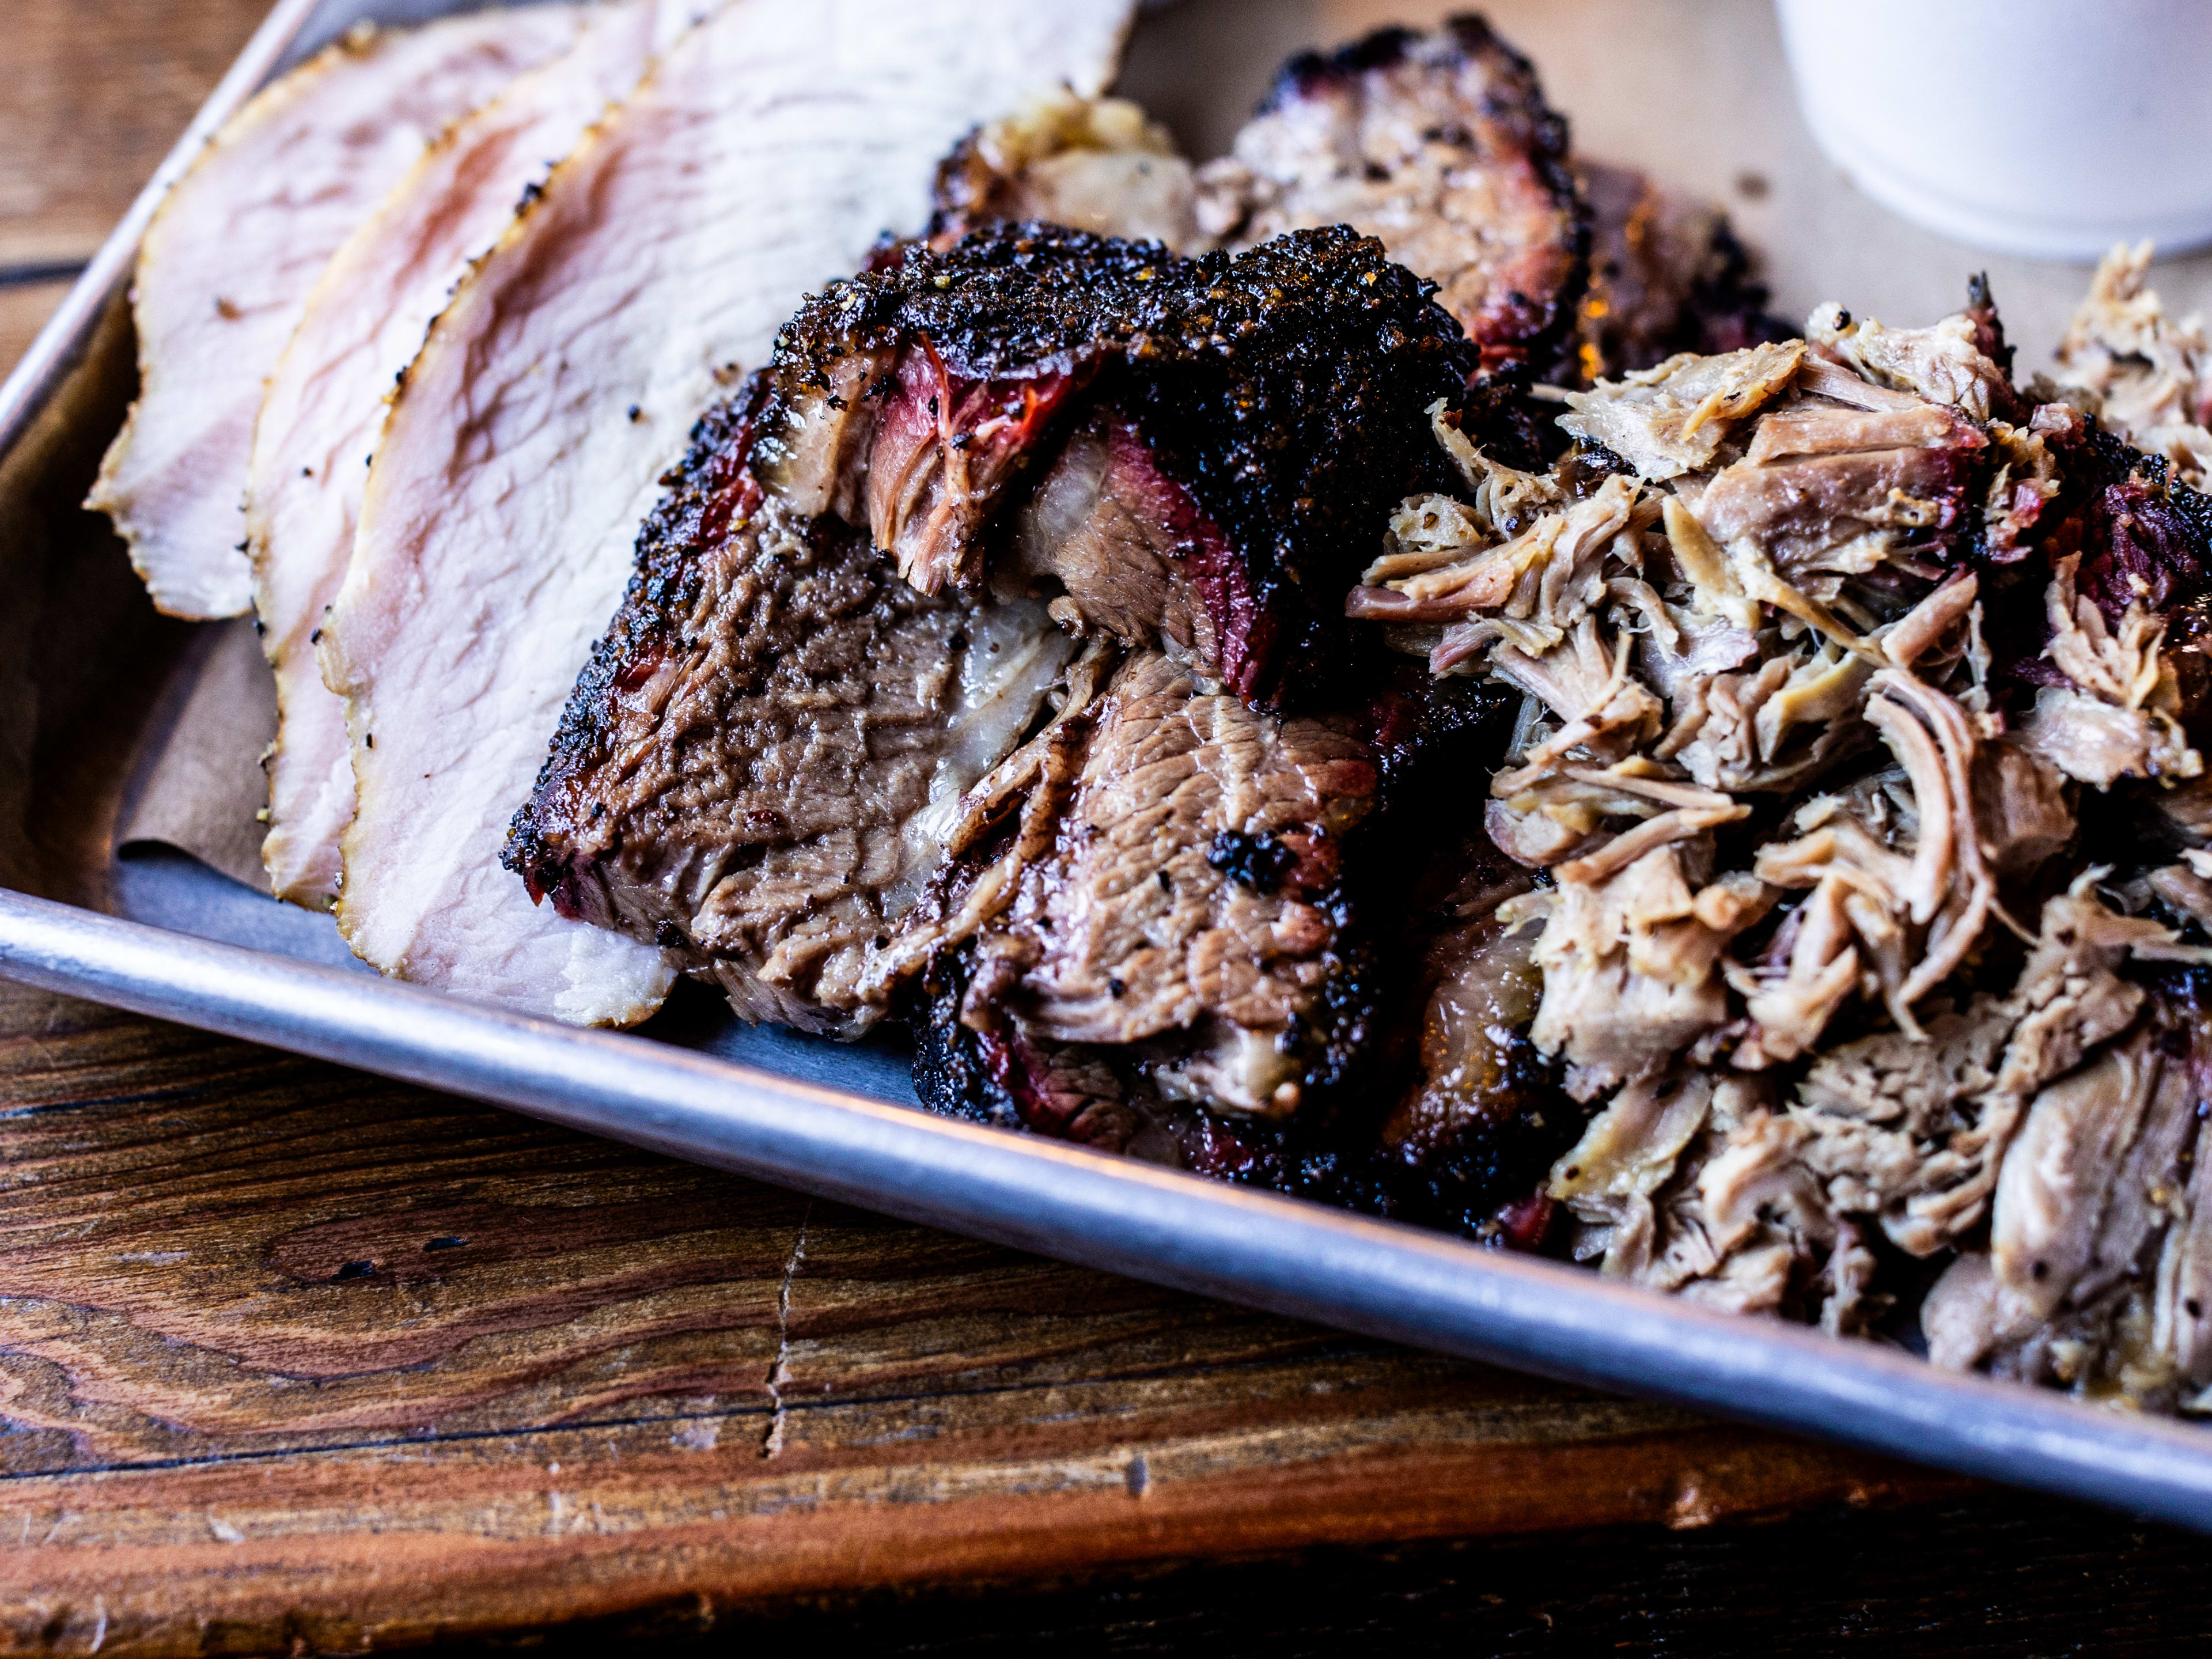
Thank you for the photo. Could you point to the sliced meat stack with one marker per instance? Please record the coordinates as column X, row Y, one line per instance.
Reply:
column 953, row 670
column 325, row 403
column 499, row 522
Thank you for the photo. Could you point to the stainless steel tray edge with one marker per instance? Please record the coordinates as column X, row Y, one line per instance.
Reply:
column 1387, row 1280
column 1264, row 1250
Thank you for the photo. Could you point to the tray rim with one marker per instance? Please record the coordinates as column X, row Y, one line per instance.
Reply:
column 1290, row 1256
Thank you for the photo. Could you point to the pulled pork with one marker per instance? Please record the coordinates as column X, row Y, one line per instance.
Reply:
column 1814, row 932
column 2150, row 376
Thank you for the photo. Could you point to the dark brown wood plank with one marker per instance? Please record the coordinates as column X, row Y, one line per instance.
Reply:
column 1993, row 1577
column 94, row 93
column 298, row 1351
column 24, row 308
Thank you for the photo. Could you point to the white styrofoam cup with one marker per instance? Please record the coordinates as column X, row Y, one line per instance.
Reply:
column 2048, row 128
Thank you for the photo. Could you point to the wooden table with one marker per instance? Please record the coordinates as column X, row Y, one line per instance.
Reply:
column 294, row 1360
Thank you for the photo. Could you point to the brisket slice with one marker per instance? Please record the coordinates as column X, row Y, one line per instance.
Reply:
column 1270, row 408
column 1222, row 940
column 746, row 771
column 1168, row 885
column 1442, row 145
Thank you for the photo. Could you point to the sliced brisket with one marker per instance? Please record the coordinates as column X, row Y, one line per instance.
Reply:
column 1219, row 938
column 1169, row 887
column 746, row 772
column 1442, row 145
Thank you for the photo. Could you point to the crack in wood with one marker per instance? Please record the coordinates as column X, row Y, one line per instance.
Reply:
column 1649, row 1417
column 35, row 272
column 778, row 1371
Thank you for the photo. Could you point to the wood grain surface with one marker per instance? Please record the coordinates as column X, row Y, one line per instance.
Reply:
column 293, row 1352
column 294, row 1360
column 93, row 93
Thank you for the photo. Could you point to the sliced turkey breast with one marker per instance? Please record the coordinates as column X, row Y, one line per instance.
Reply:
column 765, row 155
column 365, row 320
column 227, row 265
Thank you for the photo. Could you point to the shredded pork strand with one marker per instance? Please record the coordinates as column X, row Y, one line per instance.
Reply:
column 2115, row 717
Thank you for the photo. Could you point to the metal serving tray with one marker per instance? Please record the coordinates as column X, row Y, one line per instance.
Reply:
column 88, row 675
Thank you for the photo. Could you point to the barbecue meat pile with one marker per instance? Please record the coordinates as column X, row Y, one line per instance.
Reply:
column 1761, row 849
column 985, row 661
column 956, row 655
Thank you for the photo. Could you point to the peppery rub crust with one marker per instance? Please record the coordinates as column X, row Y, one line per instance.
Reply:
column 704, row 493
column 1285, row 389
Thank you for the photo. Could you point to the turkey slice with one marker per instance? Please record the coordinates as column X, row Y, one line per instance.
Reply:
column 227, row 262
column 761, row 157
column 365, row 320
